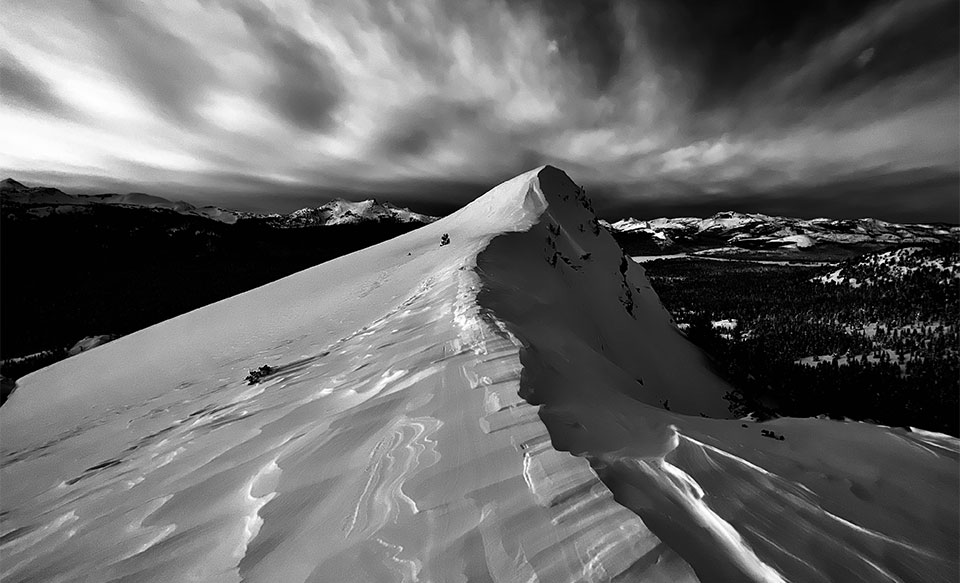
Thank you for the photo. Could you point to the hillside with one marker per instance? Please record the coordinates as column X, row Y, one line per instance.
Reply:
column 491, row 409
column 802, row 340
column 939, row 264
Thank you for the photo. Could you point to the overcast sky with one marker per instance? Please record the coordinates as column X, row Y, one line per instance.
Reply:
column 810, row 107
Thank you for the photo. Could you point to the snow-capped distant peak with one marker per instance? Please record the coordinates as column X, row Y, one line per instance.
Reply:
column 16, row 192
column 345, row 212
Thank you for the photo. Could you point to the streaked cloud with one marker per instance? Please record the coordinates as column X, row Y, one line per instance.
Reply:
column 640, row 98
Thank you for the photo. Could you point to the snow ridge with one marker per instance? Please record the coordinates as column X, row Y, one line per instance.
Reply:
column 600, row 358
column 491, row 409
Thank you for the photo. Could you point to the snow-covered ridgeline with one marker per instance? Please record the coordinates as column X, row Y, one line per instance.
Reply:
column 601, row 357
column 400, row 450
column 416, row 427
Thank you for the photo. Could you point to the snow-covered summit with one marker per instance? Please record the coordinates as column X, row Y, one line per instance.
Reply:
column 9, row 184
column 16, row 192
column 491, row 409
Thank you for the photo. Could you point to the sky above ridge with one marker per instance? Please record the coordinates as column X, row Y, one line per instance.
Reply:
column 813, row 107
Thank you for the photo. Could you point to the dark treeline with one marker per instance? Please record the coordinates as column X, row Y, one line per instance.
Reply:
column 886, row 353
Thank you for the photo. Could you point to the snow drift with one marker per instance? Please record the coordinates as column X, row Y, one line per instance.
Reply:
column 513, row 406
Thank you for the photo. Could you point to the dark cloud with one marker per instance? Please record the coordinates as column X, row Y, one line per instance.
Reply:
column 922, row 38
column 590, row 34
column 890, row 43
column 155, row 61
column 743, row 104
column 406, row 25
column 726, row 45
column 305, row 88
column 26, row 89
column 922, row 196
column 417, row 129
column 917, row 195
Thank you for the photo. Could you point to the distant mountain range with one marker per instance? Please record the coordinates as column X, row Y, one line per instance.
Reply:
column 739, row 232
column 84, row 266
column 341, row 212
column 728, row 229
column 77, row 267
column 44, row 201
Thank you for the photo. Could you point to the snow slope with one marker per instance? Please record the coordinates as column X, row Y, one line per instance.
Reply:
column 487, row 410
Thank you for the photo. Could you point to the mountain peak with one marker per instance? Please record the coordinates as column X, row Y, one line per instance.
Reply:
column 503, row 375
column 11, row 184
column 344, row 212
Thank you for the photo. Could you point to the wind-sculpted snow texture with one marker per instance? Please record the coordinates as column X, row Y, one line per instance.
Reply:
column 417, row 425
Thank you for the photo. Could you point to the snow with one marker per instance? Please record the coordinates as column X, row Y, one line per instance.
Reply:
column 138, row 199
column 706, row 256
column 58, row 202
column 893, row 265
column 835, row 277
column 335, row 212
column 843, row 360
column 344, row 212
column 488, row 410
column 787, row 232
column 90, row 342
column 648, row 258
column 798, row 241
